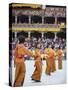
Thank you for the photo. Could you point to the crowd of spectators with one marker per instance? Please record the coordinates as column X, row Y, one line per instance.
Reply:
column 42, row 43
column 32, row 42
column 55, row 11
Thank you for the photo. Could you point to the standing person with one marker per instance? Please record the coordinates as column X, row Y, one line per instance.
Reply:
column 36, row 76
column 60, row 54
column 48, row 60
column 19, row 53
column 53, row 63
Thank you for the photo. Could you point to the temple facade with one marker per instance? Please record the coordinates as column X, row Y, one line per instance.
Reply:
column 31, row 18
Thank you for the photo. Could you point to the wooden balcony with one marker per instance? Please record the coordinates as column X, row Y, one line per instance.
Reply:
column 37, row 27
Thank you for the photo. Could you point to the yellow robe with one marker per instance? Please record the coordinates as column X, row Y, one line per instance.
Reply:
column 50, row 62
column 19, row 53
column 38, row 67
column 60, row 54
column 53, row 63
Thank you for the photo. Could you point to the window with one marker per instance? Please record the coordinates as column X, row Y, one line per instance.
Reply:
column 49, row 20
column 36, row 19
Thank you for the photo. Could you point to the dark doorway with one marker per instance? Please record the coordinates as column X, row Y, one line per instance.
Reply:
column 23, row 19
column 25, row 34
column 36, row 19
column 49, row 35
column 36, row 34
column 61, row 20
column 62, row 34
column 49, row 20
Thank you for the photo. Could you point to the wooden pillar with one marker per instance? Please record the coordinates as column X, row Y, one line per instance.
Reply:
column 29, row 19
column 55, row 20
column 15, row 19
column 42, row 19
column 42, row 33
column 15, row 34
column 29, row 34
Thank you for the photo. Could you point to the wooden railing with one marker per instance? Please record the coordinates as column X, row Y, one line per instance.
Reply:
column 37, row 25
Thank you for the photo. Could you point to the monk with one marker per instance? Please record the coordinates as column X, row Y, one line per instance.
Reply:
column 36, row 76
column 19, row 53
column 53, row 63
column 48, row 60
column 60, row 54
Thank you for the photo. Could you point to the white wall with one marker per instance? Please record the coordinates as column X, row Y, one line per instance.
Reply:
column 4, row 32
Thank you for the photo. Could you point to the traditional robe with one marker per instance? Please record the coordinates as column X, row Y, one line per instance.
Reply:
column 19, row 53
column 60, row 54
column 50, row 62
column 38, row 67
column 53, row 63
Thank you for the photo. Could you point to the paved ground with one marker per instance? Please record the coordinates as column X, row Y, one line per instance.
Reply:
column 58, row 77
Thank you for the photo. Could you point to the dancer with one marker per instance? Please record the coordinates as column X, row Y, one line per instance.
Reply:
column 19, row 53
column 36, row 76
column 60, row 54
column 48, row 60
column 53, row 63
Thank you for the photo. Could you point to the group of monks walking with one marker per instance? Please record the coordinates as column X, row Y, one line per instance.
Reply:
column 19, row 53
column 51, row 57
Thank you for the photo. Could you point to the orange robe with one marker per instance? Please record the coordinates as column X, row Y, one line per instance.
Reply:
column 53, row 63
column 19, row 53
column 60, row 54
column 38, row 67
column 50, row 62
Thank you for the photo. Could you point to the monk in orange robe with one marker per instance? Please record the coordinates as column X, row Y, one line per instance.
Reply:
column 36, row 76
column 19, row 53
column 60, row 54
column 53, row 63
column 48, row 60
